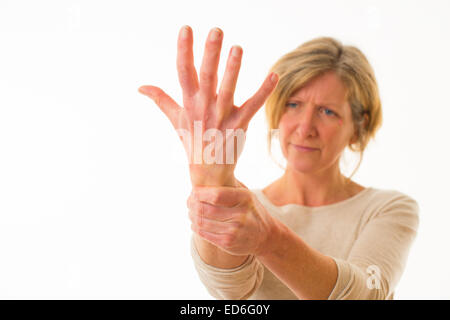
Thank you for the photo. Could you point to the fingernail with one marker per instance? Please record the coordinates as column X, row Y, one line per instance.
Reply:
column 142, row 90
column 215, row 34
column 273, row 77
column 184, row 32
column 145, row 90
column 235, row 51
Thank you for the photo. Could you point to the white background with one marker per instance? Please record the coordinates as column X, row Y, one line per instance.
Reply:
column 93, row 178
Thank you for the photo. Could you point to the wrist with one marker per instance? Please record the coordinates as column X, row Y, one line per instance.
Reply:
column 213, row 176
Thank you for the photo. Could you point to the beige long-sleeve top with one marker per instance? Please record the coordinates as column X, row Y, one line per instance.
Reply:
column 368, row 235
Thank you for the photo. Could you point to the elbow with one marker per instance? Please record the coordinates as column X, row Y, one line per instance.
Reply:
column 355, row 284
column 243, row 291
column 239, row 284
column 361, row 293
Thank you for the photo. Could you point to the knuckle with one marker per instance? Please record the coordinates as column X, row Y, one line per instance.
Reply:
column 183, row 70
column 234, row 63
column 157, row 98
column 238, row 224
column 210, row 44
column 233, row 230
column 216, row 197
column 158, row 101
column 206, row 76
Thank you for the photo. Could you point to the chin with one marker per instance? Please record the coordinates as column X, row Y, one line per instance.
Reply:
column 303, row 166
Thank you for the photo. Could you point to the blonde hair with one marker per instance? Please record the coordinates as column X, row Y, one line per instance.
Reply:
column 314, row 58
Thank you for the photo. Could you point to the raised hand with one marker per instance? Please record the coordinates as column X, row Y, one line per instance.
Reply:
column 208, row 122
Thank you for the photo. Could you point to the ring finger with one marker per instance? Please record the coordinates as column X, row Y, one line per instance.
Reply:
column 228, row 86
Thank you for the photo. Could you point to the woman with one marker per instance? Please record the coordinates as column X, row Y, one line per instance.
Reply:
column 313, row 233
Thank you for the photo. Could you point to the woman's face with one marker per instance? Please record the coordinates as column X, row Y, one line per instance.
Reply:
column 317, row 125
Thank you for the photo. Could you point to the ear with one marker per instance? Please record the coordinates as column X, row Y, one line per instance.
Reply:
column 356, row 133
column 354, row 138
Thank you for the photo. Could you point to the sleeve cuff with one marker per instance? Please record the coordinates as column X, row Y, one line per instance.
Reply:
column 235, row 283
column 342, row 281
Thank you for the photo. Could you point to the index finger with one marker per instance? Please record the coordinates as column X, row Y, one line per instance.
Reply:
column 187, row 74
column 252, row 105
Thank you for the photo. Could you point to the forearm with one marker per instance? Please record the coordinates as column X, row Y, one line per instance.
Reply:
column 307, row 272
column 215, row 256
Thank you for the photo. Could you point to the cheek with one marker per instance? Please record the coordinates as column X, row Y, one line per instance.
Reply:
column 281, row 140
column 285, row 131
column 336, row 137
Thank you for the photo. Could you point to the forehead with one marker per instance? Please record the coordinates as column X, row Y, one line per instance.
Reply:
column 324, row 89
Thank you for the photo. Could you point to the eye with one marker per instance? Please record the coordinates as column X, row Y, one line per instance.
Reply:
column 327, row 111
column 291, row 104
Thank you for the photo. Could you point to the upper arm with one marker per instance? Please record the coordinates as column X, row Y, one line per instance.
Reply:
column 379, row 254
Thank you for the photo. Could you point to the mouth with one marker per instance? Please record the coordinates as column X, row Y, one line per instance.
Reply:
column 303, row 148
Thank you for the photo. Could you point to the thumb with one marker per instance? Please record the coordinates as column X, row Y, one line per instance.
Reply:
column 167, row 105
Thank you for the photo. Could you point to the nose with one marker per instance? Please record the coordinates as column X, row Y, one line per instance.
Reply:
column 306, row 125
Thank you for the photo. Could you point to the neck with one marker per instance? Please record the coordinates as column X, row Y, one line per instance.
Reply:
column 313, row 189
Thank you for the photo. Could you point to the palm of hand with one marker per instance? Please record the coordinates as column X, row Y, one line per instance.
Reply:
column 209, row 119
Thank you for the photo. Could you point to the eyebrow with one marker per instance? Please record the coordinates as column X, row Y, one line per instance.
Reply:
column 331, row 104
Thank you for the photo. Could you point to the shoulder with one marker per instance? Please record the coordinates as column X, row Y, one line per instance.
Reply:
column 384, row 198
column 394, row 205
